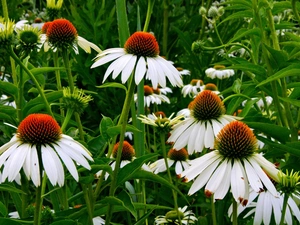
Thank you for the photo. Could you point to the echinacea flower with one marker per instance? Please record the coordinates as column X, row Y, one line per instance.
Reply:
column 152, row 96
column 6, row 33
column 141, row 56
column 160, row 121
column 193, row 88
column 202, row 126
column 219, row 71
column 61, row 34
column 127, row 156
column 179, row 158
column 266, row 206
column 40, row 145
column 171, row 217
column 29, row 38
column 234, row 165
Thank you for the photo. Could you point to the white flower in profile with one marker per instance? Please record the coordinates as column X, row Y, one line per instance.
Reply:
column 61, row 34
column 177, row 158
column 153, row 96
column 207, row 118
column 39, row 140
column 171, row 217
column 235, row 165
column 98, row 221
column 141, row 56
column 193, row 88
column 219, row 71
column 265, row 205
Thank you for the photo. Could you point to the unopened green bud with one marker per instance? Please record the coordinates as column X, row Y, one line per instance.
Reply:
column 173, row 215
column 197, row 47
column 202, row 11
column 213, row 12
column 221, row 11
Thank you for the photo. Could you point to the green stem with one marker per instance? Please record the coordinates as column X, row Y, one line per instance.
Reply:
column 79, row 125
column 38, row 206
column 148, row 16
column 123, row 122
column 5, row 10
column 68, row 69
column 164, row 151
column 234, row 212
column 67, row 119
column 165, row 27
column 25, row 189
column 285, row 201
column 32, row 77
column 20, row 96
column 295, row 11
column 88, row 202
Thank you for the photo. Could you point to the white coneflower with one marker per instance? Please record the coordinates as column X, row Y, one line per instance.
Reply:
column 219, row 71
column 141, row 56
column 40, row 145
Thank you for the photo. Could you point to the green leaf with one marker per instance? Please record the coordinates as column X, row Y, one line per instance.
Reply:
column 3, row 210
column 7, row 221
column 278, row 58
column 115, row 130
column 118, row 202
column 291, row 147
column 245, row 32
column 122, row 21
column 291, row 101
column 9, row 88
column 113, row 85
column 249, row 104
column 64, row 222
column 130, row 168
column 10, row 188
column 292, row 70
column 246, row 66
column 40, row 70
column 126, row 198
column 36, row 104
column 239, row 15
column 105, row 123
column 279, row 133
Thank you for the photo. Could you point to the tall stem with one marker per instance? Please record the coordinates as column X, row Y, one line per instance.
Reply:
column 213, row 210
column 123, row 122
column 149, row 12
column 68, row 69
column 234, row 212
column 285, row 201
column 163, row 146
column 32, row 77
column 165, row 27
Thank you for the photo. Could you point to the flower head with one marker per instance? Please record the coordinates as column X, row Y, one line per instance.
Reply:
column 160, row 121
column 178, row 158
column 29, row 38
column 6, row 33
column 153, row 96
column 39, row 139
column 193, row 88
column 171, row 217
column 289, row 183
column 61, row 34
column 76, row 100
column 233, row 165
column 139, row 55
column 207, row 118
column 53, row 8
column 219, row 71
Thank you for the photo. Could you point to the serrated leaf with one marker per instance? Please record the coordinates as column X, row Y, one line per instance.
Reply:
column 115, row 130
column 113, row 85
column 292, row 70
column 277, row 132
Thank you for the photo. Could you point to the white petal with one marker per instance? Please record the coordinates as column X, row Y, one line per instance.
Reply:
column 258, row 217
column 178, row 167
column 107, row 58
column 254, row 180
column 35, row 167
column 267, row 210
column 118, row 65
column 153, row 75
column 209, row 137
column 140, row 70
column 86, row 45
column 223, row 189
column 68, row 162
column 128, row 69
column 237, row 181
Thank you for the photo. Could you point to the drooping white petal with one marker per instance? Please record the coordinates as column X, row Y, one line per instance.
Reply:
column 86, row 45
column 269, row 167
column 267, row 210
column 152, row 74
column 223, row 188
column 35, row 167
column 68, row 162
column 118, row 65
column 258, row 217
column 128, row 69
column 178, row 167
column 254, row 180
column 179, row 128
column 204, row 175
column 209, row 137
column 140, row 70
column 217, row 178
